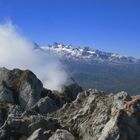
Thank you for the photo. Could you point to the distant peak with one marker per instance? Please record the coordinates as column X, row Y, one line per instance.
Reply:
column 87, row 54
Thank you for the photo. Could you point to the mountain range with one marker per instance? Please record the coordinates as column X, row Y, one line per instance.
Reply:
column 92, row 68
column 88, row 54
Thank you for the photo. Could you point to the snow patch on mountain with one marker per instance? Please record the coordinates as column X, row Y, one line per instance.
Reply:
column 88, row 54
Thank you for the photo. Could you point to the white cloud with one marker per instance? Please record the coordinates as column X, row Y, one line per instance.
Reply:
column 17, row 52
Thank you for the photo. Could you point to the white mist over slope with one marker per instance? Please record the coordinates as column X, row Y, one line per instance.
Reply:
column 17, row 52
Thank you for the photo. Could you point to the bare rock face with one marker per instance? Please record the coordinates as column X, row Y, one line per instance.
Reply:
column 28, row 87
column 21, row 87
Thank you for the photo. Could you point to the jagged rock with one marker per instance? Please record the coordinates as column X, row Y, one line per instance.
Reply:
column 45, row 105
column 96, row 116
column 72, row 90
column 125, row 124
column 87, row 115
column 62, row 134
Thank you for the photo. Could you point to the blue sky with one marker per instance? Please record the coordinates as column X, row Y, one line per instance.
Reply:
column 108, row 25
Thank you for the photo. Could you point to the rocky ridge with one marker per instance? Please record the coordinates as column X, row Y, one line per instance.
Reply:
column 30, row 112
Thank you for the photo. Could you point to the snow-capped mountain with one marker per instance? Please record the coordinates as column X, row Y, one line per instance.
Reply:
column 87, row 54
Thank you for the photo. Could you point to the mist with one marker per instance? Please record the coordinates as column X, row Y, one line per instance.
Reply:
column 18, row 52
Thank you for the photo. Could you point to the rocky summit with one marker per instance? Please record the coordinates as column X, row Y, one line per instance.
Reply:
column 30, row 112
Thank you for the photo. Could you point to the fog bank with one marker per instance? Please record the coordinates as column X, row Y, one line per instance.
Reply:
column 18, row 52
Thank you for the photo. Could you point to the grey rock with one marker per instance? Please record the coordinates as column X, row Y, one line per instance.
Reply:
column 30, row 89
column 23, row 87
column 87, row 115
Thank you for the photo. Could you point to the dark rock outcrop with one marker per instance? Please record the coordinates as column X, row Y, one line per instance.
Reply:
column 71, row 91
